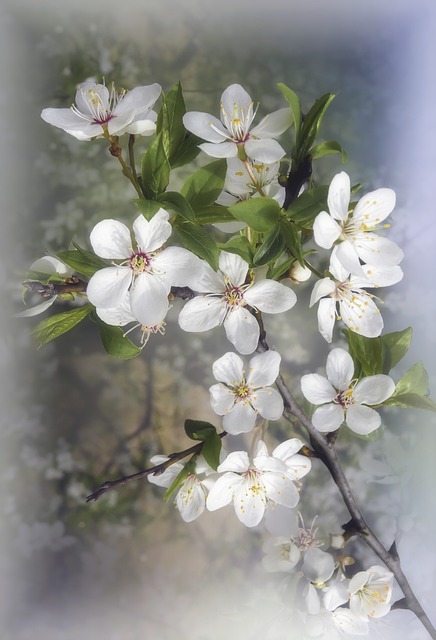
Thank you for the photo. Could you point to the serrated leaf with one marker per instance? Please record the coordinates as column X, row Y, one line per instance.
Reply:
column 294, row 102
column 148, row 208
column 170, row 120
column 367, row 353
column 177, row 203
column 412, row 401
column 397, row 344
column 211, row 449
column 271, row 248
column 292, row 239
column 304, row 209
column 312, row 123
column 81, row 261
column 57, row 325
column 239, row 245
column 327, row 149
column 213, row 214
column 197, row 240
column 415, row 380
column 261, row 214
column 204, row 186
column 115, row 343
column 187, row 152
column 155, row 168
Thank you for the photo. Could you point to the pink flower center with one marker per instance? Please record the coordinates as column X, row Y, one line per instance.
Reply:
column 234, row 296
column 140, row 262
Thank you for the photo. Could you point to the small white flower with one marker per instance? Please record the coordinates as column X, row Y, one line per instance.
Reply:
column 240, row 397
column 226, row 302
column 145, row 272
column 371, row 592
column 237, row 115
column 46, row 265
column 191, row 496
column 282, row 555
column 356, row 306
column 250, row 179
column 344, row 399
column 354, row 230
column 250, row 485
column 99, row 112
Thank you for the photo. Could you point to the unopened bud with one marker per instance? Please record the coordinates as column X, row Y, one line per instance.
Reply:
column 298, row 273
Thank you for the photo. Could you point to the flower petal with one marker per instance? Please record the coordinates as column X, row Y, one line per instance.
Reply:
column 202, row 313
column 326, row 318
column 269, row 403
column 270, row 296
column 339, row 195
column 236, row 461
column 221, row 399
column 318, row 565
column 229, row 369
column 39, row 308
column 241, row 419
column 374, row 389
column 348, row 257
column 322, row 288
column 249, row 500
column 362, row 419
column 340, row 368
column 205, row 126
column 378, row 251
column 328, row 418
column 49, row 264
column 325, row 230
column 382, row 276
column 234, row 267
column 273, row 124
column 242, row 330
column 151, row 234
column 266, row 150
column 374, row 207
column 149, row 299
column 177, row 266
column 361, row 315
column 287, row 449
column 117, row 316
column 222, row 491
column 191, row 499
column 111, row 239
column 70, row 122
column 263, row 369
column 219, row 149
column 317, row 389
column 108, row 287
column 280, row 489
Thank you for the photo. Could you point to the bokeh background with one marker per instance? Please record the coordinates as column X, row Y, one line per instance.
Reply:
column 127, row 567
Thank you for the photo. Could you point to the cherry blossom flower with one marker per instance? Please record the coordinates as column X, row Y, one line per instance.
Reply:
column 371, row 592
column 250, row 179
column 251, row 484
column 354, row 230
column 99, row 111
column 46, row 265
column 343, row 399
column 228, row 296
column 191, row 496
column 145, row 272
column 356, row 306
column 240, row 397
column 234, row 130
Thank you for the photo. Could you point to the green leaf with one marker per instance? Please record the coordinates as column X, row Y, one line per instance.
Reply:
column 204, row 186
column 306, row 207
column 261, row 214
column 274, row 272
column 415, row 380
column 187, row 152
column 177, row 203
column 312, row 123
column 148, row 208
column 211, row 450
column 214, row 213
column 170, row 120
column 178, row 480
column 327, row 149
column 412, row 401
column 292, row 239
column 197, row 240
column 239, row 245
column 155, row 168
column 294, row 102
column 367, row 354
column 396, row 346
column 56, row 325
column 81, row 261
column 116, row 344
column 198, row 429
column 271, row 248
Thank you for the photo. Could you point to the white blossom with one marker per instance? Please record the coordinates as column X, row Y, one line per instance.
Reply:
column 239, row 397
column 99, row 111
column 371, row 592
column 47, row 265
column 250, row 179
column 353, row 230
column 234, row 130
column 343, row 398
column 226, row 300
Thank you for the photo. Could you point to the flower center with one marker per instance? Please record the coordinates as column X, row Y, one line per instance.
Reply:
column 242, row 391
column 140, row 262
column 234, row 296
column 100, row 108
column 345, row 398
column 238, row 122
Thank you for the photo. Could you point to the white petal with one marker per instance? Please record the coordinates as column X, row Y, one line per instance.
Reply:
column 273, row 124
column 234, row 267
column 87, row 94
column 249, row 500
column 219, row 149
column 374, row 389
column 318, row 565
column 73, row 124
column 177, row 266
column 229, row 369
column 287, row 449
column 298, row 466
column 222, row 491
column 210, row 281
column 270, row 296
column 266, row 150
column 362, row 419
column 280, row 489
column 317, row 389
column 191, row 499
column 202, row 314
column 269, row 403
column 241, row 419
column 117, row 316
column 339, row 196
column 111, row 239
column 236, row 461
column 378, row 251
column 336, row 595
column 151, row 234
column 142, row 127
column 340, row 368
column 138, row 100
column 326, row 318
column 374, row 207
column 325, row 230
column 322, row 288
column 39, row 308
column 149, row 299
column 347, row 254
column 235, row 102
column 221, row 399
column 166, row 478
column 108, row 287
column 383, row 276
column 242, row 330
column 349, row 623
column 49, row 264
column 362, row 316
column 263, row 369
column 205, row 126
column 328, row 418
